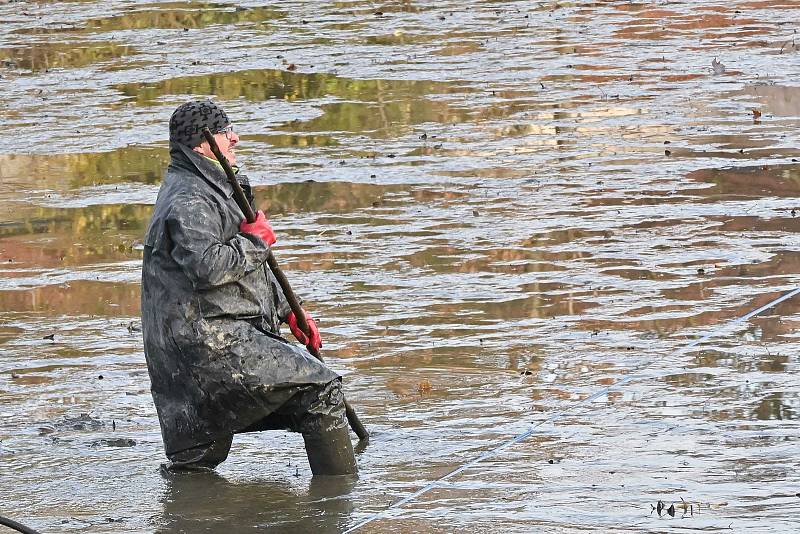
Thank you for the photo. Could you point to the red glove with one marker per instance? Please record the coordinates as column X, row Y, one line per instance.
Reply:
column 316, row 339
column 259, row 228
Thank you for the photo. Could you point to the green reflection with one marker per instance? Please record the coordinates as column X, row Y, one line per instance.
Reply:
column 379, row 108
column 70, row 171
column 327, row 197
column 295, row 141
column 260, row 85
column 386, row 119
column 44, row 56
column 171, row 15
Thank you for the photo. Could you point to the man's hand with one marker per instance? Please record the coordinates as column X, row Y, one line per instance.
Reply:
column 316, row 339
column 260, row 228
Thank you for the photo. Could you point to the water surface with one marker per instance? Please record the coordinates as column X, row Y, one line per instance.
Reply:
column 494, row 210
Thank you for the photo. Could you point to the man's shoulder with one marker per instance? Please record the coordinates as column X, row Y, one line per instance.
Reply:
column 179, row 181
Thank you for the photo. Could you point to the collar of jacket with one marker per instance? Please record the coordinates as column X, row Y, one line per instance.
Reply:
column 209, row 170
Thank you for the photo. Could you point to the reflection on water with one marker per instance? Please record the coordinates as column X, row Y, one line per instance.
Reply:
column 169, row 15
column 775, row 100
column 257, row 85
column 75, row 298
column 268, row 505
column 61, row 55
column 373, row 107
column 493, row 210
column 62, row 172
column 749, row 182
column 325, row 197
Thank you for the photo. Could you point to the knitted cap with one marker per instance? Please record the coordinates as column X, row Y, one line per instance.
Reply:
column 188, row 120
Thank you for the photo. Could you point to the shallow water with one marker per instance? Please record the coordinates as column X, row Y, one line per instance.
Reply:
column 493, row 209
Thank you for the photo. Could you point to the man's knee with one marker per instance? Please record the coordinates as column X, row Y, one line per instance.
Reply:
column 324, row 407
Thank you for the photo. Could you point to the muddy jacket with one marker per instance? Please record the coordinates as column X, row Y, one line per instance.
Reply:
column 211, row 312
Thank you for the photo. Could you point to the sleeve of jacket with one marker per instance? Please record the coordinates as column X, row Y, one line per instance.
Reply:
column 198, row 245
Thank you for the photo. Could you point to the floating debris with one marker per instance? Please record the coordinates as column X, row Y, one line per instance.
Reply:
column 114, row 442
column 82, row 422
column 424, row 386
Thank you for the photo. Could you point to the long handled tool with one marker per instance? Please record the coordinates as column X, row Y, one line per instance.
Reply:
column 291, row 298
column 19, row 527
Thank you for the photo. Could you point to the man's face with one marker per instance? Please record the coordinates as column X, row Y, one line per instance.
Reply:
column 226, row 140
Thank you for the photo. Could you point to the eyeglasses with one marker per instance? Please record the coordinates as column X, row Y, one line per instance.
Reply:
column 228, row 131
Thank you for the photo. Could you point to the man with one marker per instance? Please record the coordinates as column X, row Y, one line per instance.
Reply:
column 211, row 315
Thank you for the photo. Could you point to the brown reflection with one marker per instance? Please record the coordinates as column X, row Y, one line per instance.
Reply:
column 778, row 100
column 735, row 141
column 50, row 238
column 568, row 235
column 453, row 358
column 40, row 374
column 62, row 172
column 773, row 407
column 401, row 38
column 765, row 4
column 741, row 154
column 467, row 47
column 77, row 297
column 256, row 505
column 9, row 332
column 757, row 224
column 754, row 182
column 763, row 362
column 496, row 260
column 647, row 310
column 659, row 24
column 43, row 56
column 730, row 183
column 533, row 306
column 537, row 305
column 699, row 290
column 641, row 274
column 690, row 379
column 170, row 15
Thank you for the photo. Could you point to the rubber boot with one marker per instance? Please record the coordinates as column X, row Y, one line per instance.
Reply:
column 330, row 451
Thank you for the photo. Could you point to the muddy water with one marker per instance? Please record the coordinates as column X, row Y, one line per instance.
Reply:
column 495, row 210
